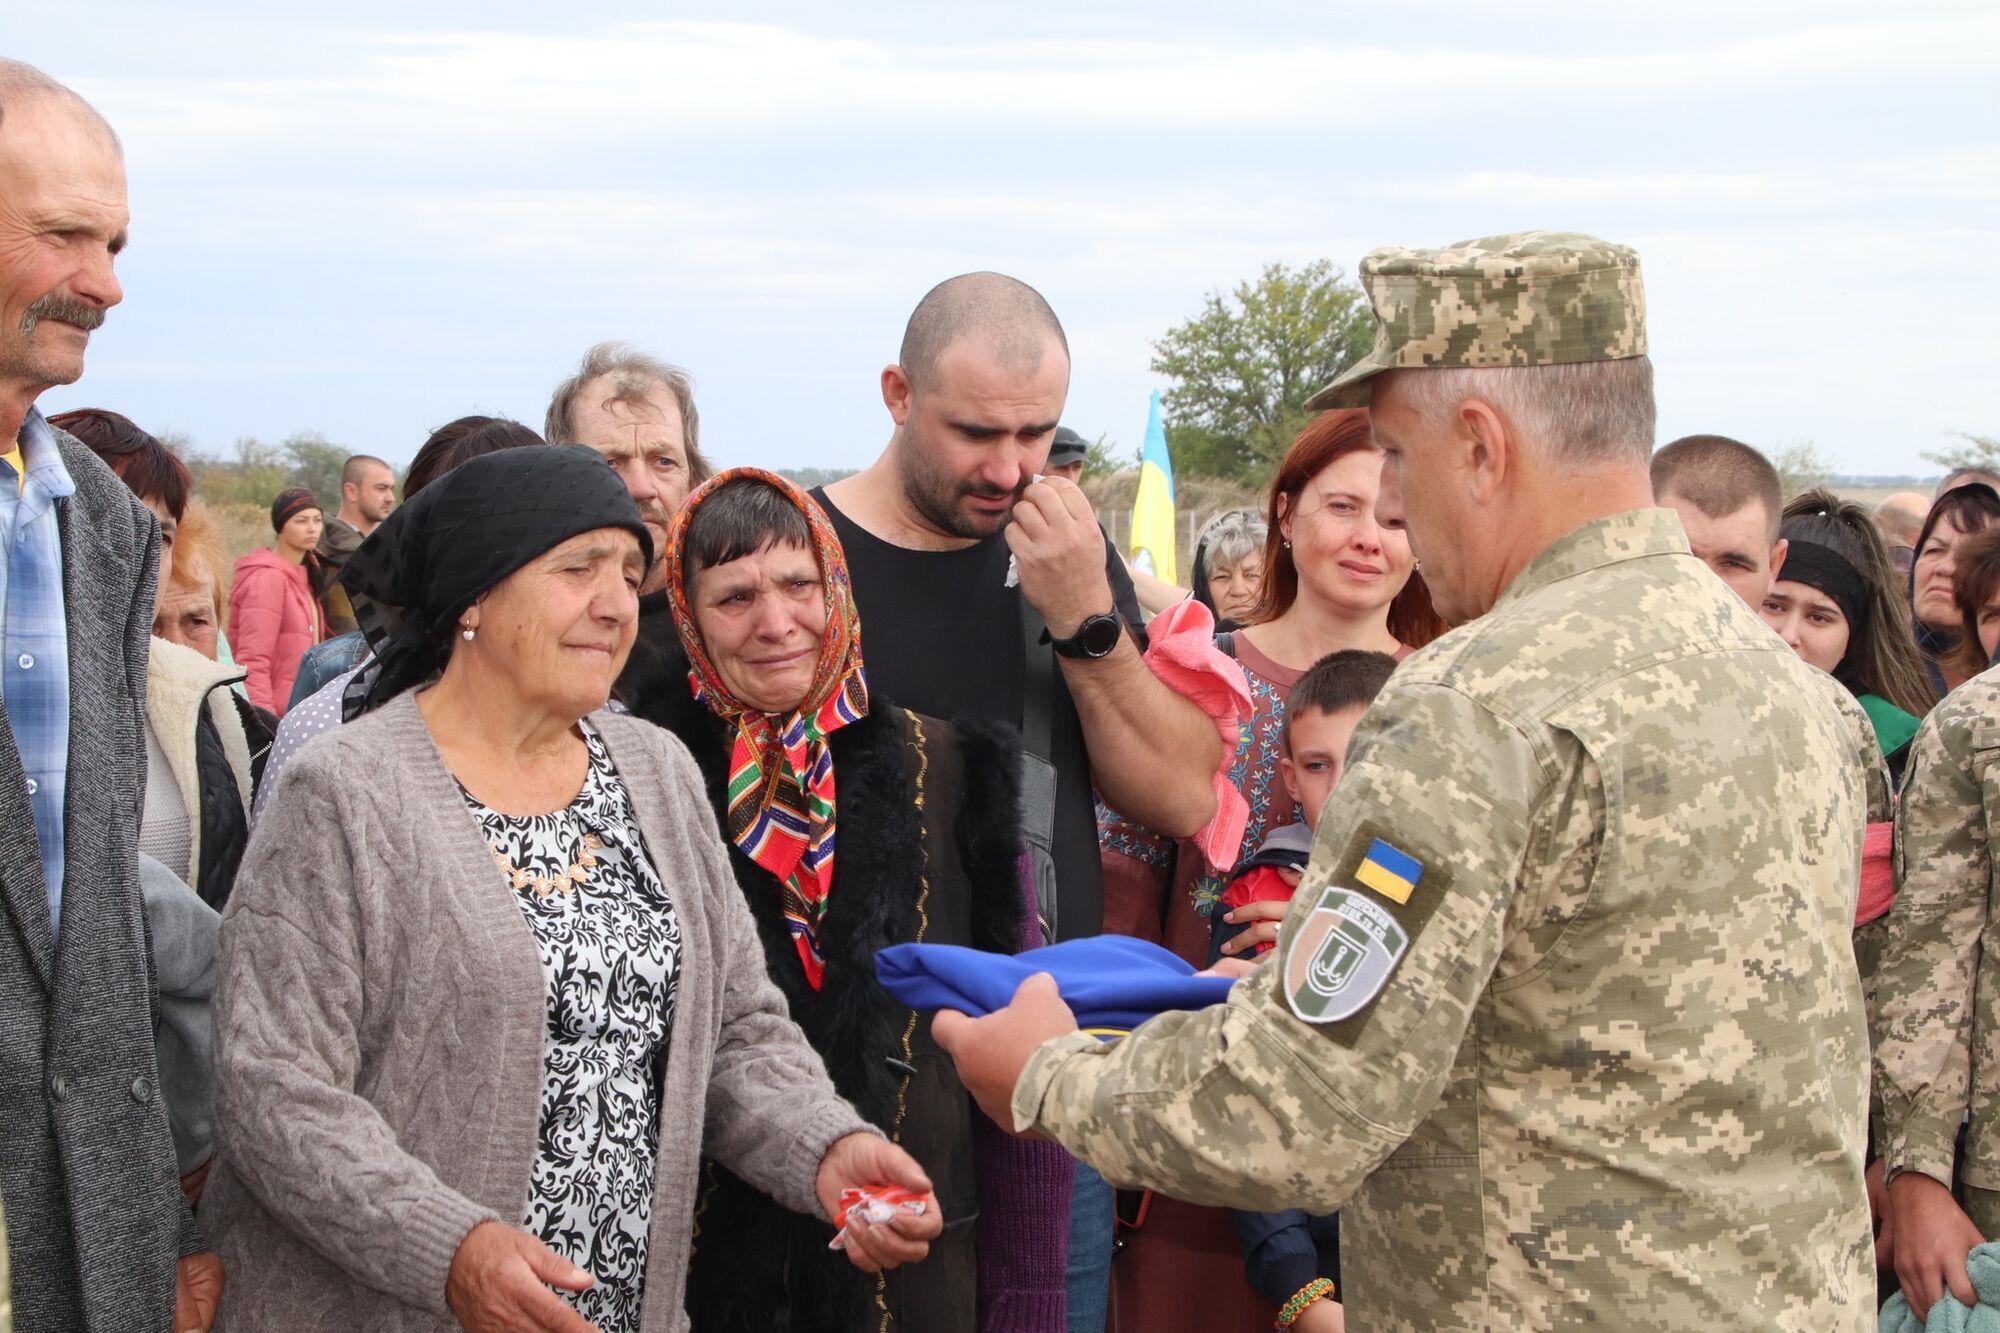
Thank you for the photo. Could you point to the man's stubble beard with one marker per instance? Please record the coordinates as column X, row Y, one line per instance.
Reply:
column 936, row 497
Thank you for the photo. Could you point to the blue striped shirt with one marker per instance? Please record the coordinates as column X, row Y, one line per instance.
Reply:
column 34, row 638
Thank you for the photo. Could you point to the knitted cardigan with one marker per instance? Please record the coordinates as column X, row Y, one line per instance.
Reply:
column 380, row 1021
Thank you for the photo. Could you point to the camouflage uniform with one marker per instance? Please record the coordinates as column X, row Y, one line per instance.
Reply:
column 1565, row 1015
column 1620, row 1074
column 1938, row 988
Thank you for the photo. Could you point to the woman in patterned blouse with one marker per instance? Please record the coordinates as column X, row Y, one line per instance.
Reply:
column 523, row 874
column 1334, row 578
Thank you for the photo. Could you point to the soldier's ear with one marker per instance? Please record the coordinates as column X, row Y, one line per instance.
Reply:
column 1490, row 447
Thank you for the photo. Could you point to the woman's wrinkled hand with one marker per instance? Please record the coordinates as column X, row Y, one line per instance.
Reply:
column 500, row 1279
column 867, row 1161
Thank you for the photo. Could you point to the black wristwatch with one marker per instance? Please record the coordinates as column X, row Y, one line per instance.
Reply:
column 1094, row 638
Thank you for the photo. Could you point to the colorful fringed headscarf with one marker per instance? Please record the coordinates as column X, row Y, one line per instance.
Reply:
column 781, row 791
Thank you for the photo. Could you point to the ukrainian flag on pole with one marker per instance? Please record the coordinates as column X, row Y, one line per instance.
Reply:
column 1152, row 540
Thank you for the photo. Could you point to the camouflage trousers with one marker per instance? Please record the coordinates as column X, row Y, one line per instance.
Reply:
column 1983, row 1207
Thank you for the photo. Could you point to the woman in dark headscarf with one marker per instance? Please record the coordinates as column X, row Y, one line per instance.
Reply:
column 800, row 760
column 488, row 990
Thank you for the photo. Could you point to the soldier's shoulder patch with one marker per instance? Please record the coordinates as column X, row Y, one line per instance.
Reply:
column 1389, row 870
column 1341, row 956
column 1371, row 909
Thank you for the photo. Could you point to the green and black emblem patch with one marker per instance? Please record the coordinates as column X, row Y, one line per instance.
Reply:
column 1341, row 957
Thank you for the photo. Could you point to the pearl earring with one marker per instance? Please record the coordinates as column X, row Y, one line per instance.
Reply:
column 467, row 635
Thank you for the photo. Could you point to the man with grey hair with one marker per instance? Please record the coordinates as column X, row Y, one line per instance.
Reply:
column 638, row 411
column 1900, row 517
column 98, row 1236
column 1564, row 1017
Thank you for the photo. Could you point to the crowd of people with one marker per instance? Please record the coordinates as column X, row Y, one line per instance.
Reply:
column 464, row 913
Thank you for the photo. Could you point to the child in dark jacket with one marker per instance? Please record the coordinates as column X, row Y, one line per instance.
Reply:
column 1320, row 716
column 1286, row 1253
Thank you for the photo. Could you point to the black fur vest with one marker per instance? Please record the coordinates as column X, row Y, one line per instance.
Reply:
column 928, row 848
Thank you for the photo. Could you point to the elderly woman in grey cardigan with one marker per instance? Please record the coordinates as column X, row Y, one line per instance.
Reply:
column 488, row 988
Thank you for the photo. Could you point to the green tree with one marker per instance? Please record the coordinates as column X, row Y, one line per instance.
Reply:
column 316, row 464
column 254, row 476
column 1801, row 466
column 1979, row 451
column 1244, row 367
column 1104, row 457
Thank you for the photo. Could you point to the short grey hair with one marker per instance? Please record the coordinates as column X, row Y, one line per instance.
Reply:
column 1588, row 414
column 1230, row 536
column 22, row 82
column 633, row 375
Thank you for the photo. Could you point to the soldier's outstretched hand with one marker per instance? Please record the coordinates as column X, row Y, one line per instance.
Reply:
column 1933, row 1236
column 991, row 1052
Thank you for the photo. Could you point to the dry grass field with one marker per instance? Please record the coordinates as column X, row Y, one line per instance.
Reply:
column 245, row 527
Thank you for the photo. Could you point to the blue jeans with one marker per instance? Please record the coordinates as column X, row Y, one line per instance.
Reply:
column 1087, row 1284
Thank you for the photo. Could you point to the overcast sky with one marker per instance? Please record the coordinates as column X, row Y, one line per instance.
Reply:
column 367, row 218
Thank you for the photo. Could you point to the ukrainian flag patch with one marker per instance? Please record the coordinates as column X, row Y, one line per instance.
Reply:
column 1390, row 872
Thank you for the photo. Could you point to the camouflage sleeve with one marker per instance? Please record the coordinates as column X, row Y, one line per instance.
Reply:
column 1929, row 953
column 1330, row 1055
column 1867, row 751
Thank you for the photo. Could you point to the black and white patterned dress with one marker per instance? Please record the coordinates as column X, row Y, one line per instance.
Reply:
column 611, row 950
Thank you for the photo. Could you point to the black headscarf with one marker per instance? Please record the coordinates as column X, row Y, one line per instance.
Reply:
column 463, row 534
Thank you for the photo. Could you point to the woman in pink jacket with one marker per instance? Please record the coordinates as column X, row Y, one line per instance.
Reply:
column 273, row 615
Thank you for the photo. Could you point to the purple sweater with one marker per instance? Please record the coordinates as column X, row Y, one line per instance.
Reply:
column 1024, row 1202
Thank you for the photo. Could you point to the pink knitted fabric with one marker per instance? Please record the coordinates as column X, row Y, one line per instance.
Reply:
column 1184, row 655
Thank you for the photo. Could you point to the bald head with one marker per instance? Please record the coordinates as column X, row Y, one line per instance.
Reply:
column 1007, row 316
column 1901, row 517
column 22, row 85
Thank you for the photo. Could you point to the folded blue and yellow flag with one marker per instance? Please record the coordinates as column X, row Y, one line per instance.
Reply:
column 1112, row 983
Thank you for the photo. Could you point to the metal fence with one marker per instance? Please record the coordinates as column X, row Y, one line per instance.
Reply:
column 1187, row 529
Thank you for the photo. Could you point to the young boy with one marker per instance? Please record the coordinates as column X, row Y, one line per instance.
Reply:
column 1320, row 716
column 1290, row 1258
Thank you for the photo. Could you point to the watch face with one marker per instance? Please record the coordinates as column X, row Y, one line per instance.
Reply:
column 1099, row 635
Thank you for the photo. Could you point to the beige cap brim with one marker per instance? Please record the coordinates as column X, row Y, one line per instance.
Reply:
column 1352, row 389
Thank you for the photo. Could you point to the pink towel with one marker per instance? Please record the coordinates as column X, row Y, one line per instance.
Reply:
column 1878, row 873
column 1184, row 655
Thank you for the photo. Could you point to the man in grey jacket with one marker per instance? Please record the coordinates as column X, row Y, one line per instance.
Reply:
column 98, row 1237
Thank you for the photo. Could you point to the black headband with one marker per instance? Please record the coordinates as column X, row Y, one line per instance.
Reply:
column 464, row 533
column 1830, row 572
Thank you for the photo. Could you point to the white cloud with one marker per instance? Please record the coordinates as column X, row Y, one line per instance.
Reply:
column 449, row 202
column 649, row 83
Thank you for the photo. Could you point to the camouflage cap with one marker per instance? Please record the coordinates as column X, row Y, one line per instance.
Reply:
column 1534, row 298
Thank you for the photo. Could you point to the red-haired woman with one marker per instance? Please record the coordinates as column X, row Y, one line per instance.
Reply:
column 1335, row 577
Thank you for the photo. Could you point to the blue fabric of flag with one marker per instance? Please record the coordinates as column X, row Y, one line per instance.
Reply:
column 1112, row 983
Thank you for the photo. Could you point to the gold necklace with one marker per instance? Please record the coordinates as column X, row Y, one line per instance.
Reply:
column 544, row 885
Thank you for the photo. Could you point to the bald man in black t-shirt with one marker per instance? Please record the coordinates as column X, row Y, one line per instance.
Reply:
column 949, row 529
